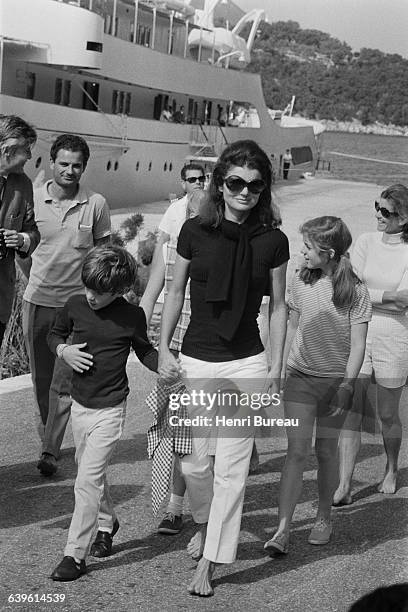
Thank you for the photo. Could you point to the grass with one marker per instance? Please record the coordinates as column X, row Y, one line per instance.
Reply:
column 13, row 353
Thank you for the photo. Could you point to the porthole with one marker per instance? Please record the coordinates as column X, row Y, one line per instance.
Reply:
column 170, row 167
column 150, row 166
column 137, row 166
column 165, row 166
column 38, row 162
column 116, row 166
column 108, row 165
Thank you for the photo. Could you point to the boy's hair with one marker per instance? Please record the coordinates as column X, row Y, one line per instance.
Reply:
column 70, row 142
column 331, row 233
column 109, row 269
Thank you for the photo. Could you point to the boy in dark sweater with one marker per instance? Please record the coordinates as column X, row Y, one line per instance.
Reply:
column 104, row 327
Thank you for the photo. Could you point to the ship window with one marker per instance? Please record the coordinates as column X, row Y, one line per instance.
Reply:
column 66, row 93
column 121, row 101
column 137, row 166
column 62, row 92
column 165, row 166
column 128, row 99
column 58, row 91
column 108, row 24
column 38, row 162
column 115, row 94
column 170, row 167
column 108, row 165
column 94, row 46
column 150, row 166
column 91, row 96
column 30, row 85
column 116, row 166
column 143, row 35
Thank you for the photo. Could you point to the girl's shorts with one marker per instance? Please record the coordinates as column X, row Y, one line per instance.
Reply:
column 386, row 351
column 316, row 391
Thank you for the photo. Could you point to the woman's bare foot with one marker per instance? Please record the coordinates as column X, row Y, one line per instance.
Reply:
column 389, row 484
column 342, row 497
column 195, row 547
column 201, row 583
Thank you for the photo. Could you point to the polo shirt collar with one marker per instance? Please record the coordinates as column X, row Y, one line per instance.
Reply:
column 81, row 197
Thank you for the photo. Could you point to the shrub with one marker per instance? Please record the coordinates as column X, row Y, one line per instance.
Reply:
column 13, row 354
column 131, row 227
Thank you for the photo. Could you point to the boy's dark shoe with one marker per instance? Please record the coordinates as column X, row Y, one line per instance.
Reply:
column 102, row 546
column 68, row 570
column 47, row 464
column 171, row 524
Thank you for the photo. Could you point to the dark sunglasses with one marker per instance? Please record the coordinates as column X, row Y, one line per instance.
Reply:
column 194, row 179
column 236, row 184
column 384, row 211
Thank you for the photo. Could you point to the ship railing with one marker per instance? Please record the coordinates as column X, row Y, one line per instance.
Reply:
column 207, row 137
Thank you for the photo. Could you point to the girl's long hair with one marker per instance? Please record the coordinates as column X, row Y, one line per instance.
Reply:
column 398, row 195
column 327, row 233
column 240, row 153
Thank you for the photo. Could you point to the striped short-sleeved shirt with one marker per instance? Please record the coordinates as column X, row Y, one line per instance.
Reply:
column 321, row 346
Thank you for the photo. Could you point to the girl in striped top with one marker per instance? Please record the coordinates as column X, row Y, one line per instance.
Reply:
column 329, row 313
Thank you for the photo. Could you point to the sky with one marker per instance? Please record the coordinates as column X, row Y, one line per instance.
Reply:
column 377, row 24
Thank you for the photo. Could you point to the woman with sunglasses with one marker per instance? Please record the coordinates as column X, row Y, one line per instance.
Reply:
column 233, row 253
column 381, row 260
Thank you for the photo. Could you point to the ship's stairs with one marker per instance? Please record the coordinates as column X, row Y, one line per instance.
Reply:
column 206, row 143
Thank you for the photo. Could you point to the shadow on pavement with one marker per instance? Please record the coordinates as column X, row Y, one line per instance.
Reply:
column 357, row 529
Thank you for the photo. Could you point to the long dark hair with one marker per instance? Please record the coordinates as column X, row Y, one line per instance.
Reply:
column 240, row 153
column 331, row 233
column 398, row 194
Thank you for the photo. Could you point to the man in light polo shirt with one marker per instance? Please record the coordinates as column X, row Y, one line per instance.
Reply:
column 71, row 220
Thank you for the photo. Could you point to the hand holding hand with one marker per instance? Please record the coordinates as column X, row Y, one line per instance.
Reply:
column 169, row 367
column 342, row 401
column 76, row 358
column 12, row 239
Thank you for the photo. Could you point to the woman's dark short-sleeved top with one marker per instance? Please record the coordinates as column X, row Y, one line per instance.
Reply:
column 201, row 341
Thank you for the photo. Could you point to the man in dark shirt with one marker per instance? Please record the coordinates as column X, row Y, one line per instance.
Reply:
column 104, row 328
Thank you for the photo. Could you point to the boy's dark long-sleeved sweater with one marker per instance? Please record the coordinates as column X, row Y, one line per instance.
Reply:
column 109, row 333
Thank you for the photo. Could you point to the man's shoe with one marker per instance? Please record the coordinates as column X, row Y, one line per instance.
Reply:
column 171, row 524
column 47, row 464
column 102, row 546
column 68, row 570
column 321, row 532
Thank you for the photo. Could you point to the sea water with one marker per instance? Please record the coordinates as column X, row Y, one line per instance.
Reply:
column 384, row 148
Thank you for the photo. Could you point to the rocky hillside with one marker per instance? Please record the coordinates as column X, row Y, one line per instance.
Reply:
column 329, row 80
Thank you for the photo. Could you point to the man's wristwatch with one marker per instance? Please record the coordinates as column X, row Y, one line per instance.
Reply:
column 60, row 350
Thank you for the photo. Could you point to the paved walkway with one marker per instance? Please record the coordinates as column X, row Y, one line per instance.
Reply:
column 149, row 572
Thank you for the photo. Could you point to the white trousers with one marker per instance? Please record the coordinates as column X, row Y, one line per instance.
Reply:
column 96, row 433
column 217, row 498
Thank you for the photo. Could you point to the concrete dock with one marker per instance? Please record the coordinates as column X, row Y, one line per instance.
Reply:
column 150, row 572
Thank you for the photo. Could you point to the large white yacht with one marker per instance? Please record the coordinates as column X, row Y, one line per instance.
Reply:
column 113, row 70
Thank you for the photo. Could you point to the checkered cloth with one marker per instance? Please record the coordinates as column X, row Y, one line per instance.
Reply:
column 184, row 319
column 164, row 439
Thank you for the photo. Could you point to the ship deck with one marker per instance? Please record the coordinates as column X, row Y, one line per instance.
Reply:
column 148, row 572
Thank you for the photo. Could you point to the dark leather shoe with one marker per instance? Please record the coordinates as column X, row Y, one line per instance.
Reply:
column 68, row 570
column 47, row 464
column 102, row 546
